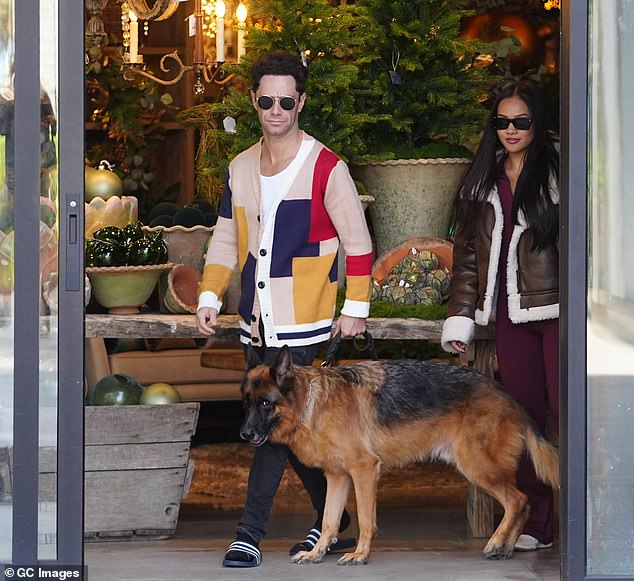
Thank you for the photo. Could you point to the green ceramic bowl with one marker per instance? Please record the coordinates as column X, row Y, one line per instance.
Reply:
column 123, row 289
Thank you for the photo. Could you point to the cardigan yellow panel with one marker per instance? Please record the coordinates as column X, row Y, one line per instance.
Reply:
column 313, row 295
column 358, row 288
column 216, row 279
column 243, row 239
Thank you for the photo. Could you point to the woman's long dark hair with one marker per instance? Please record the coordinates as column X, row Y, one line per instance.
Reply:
column 541, row 164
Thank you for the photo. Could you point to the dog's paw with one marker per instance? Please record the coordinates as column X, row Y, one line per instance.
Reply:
column 307, row 557
column 498, row 553
column 353, row 559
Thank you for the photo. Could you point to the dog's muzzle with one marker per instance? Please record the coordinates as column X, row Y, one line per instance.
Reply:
column 253, row 438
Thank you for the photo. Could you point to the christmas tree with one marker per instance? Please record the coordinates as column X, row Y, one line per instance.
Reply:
column 421, row 72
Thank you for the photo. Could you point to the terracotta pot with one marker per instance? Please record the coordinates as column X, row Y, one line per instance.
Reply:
column 441, row 248
column 179, row 289
column 185, row 245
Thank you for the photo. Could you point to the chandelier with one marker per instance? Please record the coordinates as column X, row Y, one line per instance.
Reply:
column 550, row 4
column 208, row 19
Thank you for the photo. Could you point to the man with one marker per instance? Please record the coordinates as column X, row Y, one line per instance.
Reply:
column 288, row 201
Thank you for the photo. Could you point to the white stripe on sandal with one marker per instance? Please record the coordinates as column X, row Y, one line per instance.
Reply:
column 246, row 548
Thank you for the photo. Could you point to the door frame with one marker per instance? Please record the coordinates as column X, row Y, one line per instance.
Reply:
column 70, row 442
column 70, row 455
column 573, row 269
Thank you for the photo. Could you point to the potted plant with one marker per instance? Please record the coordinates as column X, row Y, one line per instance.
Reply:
column 423, row 74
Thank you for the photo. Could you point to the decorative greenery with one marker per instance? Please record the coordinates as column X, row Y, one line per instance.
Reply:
column 130, row 113
column 381, row 309
column 214, row 143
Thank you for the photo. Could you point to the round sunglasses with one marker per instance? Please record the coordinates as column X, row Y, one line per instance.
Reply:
column 266, row 102
column 521, row 123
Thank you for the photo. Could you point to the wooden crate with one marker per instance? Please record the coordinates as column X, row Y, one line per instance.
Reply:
column 137, row 469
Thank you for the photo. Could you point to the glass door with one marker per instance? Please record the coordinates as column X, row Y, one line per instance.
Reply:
column 610, row 322
column 41, row 282
column 598, row 270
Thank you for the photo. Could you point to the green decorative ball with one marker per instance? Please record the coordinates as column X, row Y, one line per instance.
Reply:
column 116, row 389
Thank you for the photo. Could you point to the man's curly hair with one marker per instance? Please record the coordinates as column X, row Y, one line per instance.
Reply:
column 281, row 64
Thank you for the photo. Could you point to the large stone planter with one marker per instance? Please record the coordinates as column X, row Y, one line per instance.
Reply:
column 412, row 197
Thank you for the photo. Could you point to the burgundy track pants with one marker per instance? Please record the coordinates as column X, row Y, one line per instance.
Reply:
column 528, row 360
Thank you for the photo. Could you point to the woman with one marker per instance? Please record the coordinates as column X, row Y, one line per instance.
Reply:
column 506, row 267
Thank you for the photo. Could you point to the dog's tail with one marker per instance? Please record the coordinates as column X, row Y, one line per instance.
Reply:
column 544, row 456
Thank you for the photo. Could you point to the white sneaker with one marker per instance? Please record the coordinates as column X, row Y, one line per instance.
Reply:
column 530, row 543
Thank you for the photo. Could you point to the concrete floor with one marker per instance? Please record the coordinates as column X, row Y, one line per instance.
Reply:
column 428, row 542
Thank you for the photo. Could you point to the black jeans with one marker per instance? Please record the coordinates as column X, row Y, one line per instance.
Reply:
column 269, row 463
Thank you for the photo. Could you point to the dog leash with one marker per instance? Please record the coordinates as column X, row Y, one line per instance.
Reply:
column 367, row 347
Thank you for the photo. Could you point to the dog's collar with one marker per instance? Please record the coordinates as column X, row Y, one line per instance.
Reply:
column 310, row 400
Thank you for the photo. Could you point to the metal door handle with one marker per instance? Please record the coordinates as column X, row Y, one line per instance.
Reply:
column 72, row 207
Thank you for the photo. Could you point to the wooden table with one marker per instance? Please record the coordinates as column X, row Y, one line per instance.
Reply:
column 155, row 325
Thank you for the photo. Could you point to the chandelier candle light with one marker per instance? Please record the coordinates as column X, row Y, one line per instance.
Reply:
column 203, row 67
column 241, row 15
column 220, row 31
column 134, row 39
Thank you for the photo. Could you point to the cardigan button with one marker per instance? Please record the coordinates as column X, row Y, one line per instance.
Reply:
column 261, row 284
column 253, row 318
column 254, row 340
column 263, row 252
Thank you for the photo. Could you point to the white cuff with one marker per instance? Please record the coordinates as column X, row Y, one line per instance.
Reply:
column 457, row 329
column 209, row 299
column 358, row 309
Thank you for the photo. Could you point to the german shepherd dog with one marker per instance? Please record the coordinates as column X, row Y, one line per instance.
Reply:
column 353, row 419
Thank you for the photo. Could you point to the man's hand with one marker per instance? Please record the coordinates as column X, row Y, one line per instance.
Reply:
column 206, row 318
column 350, row 326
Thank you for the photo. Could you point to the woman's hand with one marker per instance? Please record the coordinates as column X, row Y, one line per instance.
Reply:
column 459, row 346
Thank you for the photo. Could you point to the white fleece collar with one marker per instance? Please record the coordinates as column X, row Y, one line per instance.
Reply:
column 483, row 315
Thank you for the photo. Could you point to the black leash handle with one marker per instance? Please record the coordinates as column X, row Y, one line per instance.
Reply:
column 335, row 343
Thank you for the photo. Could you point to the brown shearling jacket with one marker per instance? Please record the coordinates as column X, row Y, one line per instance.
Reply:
column 532, row 277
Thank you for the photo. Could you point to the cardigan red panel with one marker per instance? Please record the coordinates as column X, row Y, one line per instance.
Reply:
column 321, row 227
column 359, row 265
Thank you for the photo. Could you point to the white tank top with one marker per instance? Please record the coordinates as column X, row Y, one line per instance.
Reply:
column 271, row 186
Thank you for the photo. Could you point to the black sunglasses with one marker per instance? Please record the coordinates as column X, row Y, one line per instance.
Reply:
column 266, row 102
column 521, row 123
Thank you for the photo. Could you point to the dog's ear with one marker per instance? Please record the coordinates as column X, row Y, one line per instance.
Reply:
column 252, row 358
column 283, row 366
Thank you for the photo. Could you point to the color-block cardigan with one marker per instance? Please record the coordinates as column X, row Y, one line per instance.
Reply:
column 288, row 266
